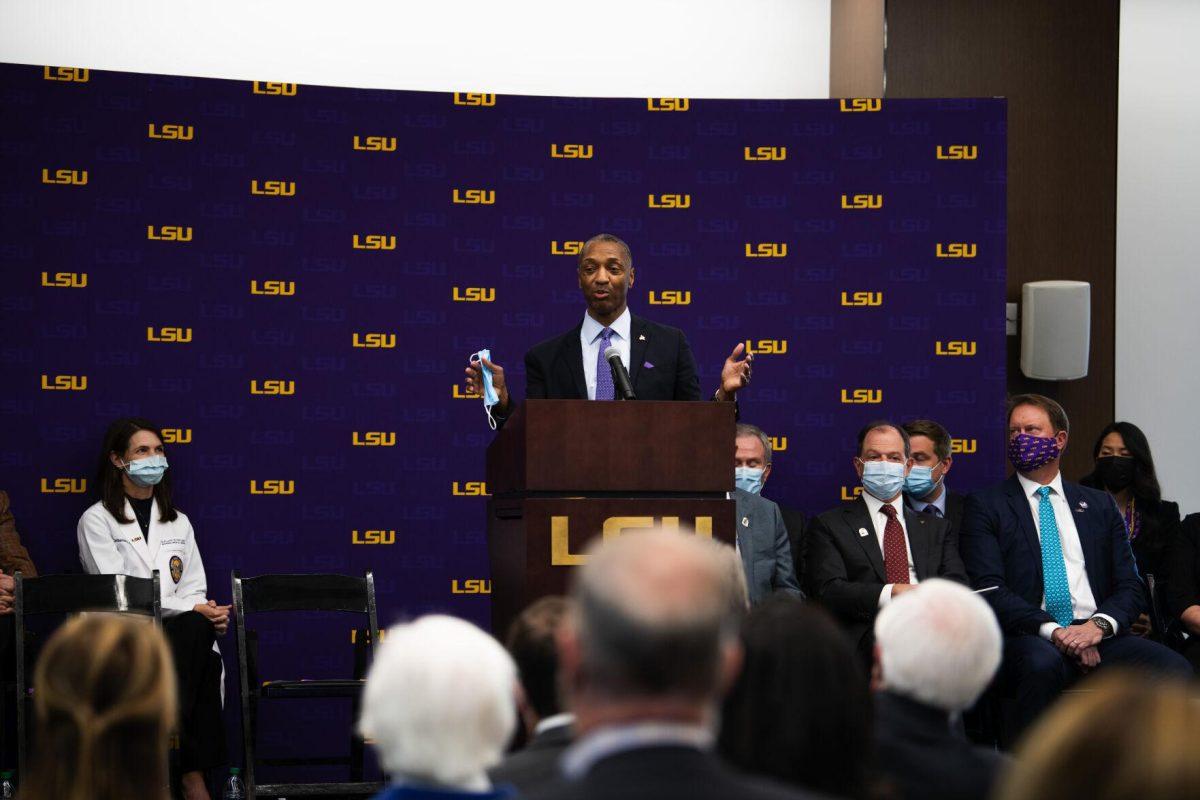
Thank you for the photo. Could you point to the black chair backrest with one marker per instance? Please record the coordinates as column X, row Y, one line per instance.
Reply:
column 66, row 594
column 306, row 593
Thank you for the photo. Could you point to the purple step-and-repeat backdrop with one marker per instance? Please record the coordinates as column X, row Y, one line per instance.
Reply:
column 290, row 279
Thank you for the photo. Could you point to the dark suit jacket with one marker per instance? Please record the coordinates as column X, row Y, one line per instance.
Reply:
column 795, row 521
column 13, row 555
column 661, row 365
column 535, row 766
column 1000, row 547
column 1183, row 553
column 666, row 773
column 763, row 544
column 845, row 571
column 922, row 759
column 954, row 509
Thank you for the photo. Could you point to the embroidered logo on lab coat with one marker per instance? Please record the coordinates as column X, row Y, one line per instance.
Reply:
column 176, row 568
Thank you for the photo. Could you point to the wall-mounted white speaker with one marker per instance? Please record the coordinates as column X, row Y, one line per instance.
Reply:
column 1056, row 329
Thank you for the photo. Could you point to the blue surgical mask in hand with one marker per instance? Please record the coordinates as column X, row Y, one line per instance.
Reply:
column 490, row 398
column 748, row 479
column 883, row 479
column 920, row 482
column 146, row 471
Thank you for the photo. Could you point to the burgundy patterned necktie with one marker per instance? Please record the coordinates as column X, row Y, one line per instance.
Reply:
column 604, row 382
column 895, row 553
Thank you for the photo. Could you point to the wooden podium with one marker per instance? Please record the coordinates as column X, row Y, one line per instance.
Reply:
column 561, row 472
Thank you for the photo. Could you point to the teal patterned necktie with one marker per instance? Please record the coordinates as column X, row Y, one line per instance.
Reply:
column 1054, row 567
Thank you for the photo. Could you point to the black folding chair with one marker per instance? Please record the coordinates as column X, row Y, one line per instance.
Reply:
column 302, row 593
column 69, row 594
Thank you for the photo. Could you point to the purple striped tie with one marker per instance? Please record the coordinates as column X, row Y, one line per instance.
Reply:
column 604, row 382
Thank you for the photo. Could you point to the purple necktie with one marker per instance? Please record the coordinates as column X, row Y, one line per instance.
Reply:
column 604, row 383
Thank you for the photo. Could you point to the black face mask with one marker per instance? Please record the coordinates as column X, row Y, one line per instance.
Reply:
column 1115, row 472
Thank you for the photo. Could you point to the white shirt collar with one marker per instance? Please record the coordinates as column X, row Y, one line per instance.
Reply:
column 1030, row 487
column 579, row 758
column 592, row 329
column 874, row 504
column 555, row 721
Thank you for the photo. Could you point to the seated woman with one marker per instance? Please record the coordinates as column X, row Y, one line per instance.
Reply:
column 134, row 529
column 104, row 696
column 1124, row 468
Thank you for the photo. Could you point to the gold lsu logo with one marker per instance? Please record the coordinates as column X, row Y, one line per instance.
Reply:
column 476, row 99
column 572, row 248
column 678, row 201
column 379, row 536
column 560, row 534
column 571, row 151
column 469, row 489
column 64, row 383
column 373, row 439
column 66, row 74
column 766, row 250
column 862, row 202
column 373, row 241
column 862, row 299
column 779, row 444
column 764, row 153
column 859, row 104
column 180, row 133
column 65, row 280
column 272, row 487
column 474, row 294
column 459, row 393
column 862, row 396
column 963, row 446
column 957, row 152
column 169, row 335
column 378, row 144
column 276, row 387
column 275, row 88
column 65, row 177
column 177, row 435
column 766, row 347
column 473, row 197
column 64, row 485
column 273, row 188
column 374, row 341
column 670, row 297
column 471, row 586
column 954, row 348
column 851, row 492
column 169, row 233
column 273, row 288
column 955, row 250
column 667, row 104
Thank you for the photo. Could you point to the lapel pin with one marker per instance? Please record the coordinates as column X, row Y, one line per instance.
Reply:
column 1083, row 503
column 745, row 522
column 648, row 365
column 641, row 337
column 862, row 531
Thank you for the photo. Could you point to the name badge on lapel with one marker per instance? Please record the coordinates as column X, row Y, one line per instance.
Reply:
column 862, row 531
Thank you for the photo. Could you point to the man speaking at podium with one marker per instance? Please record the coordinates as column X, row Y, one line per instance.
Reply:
column 572, row 366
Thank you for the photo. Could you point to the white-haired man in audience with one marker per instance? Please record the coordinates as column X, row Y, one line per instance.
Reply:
column 439, row 705
column 647, row 649
column 936, row 650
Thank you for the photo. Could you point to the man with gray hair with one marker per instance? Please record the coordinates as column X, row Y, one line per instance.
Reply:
column 646, row 652
column 936, row 650
column 762, row 536
column 753, row 456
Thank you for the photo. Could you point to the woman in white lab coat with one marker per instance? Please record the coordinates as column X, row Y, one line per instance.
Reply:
column 135, row 529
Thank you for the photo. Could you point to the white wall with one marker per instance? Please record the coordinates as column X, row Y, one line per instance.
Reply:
column 1158, row 236
column 616, row 48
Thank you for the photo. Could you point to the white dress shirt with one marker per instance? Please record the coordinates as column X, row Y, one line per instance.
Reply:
column 879, row 519
column 1083, row 602
column 589, row 337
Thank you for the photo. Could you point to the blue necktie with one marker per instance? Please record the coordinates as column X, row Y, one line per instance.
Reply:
column 932, row 509
column 604, row 382
column 1054, row 568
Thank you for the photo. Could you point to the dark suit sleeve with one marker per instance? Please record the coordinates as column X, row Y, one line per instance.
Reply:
column 687, row 382
column 980, row 545
column 535, row 377
column 13, row 555
column 784, row 578
column 1182, row 589
column 828, row 581
column 1128, row 598
column 952, row 566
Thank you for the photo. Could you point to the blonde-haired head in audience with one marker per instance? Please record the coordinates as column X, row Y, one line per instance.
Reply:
column 104, row 695
column 1128, row 737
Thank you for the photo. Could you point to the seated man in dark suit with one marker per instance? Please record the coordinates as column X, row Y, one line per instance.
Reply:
column 864, row 553
column 1066, row 588
column 572, row 366
column 925, row 487
column 649, row 647
column 936, row 650
column 752, row 459
column 531, row 643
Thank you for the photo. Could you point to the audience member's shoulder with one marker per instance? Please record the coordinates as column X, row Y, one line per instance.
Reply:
column 755, row 502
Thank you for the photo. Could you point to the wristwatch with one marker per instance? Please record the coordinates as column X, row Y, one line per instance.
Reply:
column 1104, row 625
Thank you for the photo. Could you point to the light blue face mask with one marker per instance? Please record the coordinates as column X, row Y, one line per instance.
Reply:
column 146, row 471
column 883, row 479
column 749, row 479
column 490, row 398
column 920, row 482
